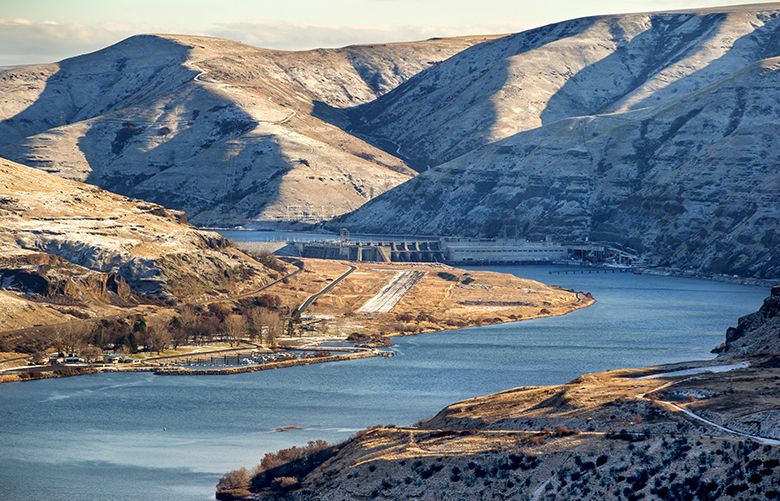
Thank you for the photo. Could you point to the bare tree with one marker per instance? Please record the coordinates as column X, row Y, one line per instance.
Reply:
column 92, row 354
column 254, row 322
column 235, row 484
column 268, row 324
column 197, row 327
column 179, row 334
column 70, row 338
column 235, row 328
column 158, row 335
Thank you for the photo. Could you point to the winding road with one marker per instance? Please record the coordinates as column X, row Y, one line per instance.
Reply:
column 692, row 373
column 224, row 86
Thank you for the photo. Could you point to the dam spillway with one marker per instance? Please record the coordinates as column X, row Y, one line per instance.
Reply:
column 426, row 251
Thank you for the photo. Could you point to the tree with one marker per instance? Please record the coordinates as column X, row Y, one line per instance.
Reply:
column 92, row 354
column 130, row 342
column 158, row 335
column 234, row 484
column 267, row 325
column 69, row 338
column 271, row 301
column 197, row 326
column 178, row 332
column 207, row 327
column 189, row 319
column 100, row 335
column 235, row 328
column 220, row 311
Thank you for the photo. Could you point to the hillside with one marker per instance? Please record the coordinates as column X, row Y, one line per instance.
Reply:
column 70, row 250
column 581, row 67
column 219, row 129
column 677, row 163
column 688, row 184
column 697, row 430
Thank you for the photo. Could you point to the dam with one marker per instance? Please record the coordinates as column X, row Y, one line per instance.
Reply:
column 466, row 251
column 405, row 251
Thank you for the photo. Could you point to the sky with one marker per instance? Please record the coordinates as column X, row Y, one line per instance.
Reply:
column 37, row 31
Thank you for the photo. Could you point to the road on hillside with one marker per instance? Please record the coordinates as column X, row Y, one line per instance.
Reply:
column 324, row 290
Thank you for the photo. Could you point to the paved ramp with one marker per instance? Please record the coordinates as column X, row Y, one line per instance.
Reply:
column 386, row 299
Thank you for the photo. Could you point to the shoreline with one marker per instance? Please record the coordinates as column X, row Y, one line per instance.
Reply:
column 11, row 377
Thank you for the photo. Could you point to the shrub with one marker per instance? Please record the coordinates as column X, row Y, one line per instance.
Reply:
column 562, row 430
column 234, row 485
column 284, row 456
column 293, row 462
column 271, row 301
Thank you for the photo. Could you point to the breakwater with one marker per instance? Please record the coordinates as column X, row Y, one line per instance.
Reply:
column 224, row 371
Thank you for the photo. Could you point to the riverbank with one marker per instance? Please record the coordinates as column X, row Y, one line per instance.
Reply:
column 599, row 436
column 331, row 301
column 667, row 272
column 68, row 430
column 186, row 371
column 66, row 371
column 393, row 299
column 623, row 428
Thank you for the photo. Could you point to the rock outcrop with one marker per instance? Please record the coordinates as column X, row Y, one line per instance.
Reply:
column 756, row 333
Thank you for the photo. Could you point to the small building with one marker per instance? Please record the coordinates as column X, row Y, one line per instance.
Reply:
column 475, row 250
column 113, row 358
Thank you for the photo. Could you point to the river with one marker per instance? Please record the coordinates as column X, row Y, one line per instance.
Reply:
column 146, row 437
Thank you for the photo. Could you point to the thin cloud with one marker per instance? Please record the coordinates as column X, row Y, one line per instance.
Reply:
column 25, row 42
column 299, row 37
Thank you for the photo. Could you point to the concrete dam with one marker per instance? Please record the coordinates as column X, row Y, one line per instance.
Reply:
column 460, row 251
column 428, row 251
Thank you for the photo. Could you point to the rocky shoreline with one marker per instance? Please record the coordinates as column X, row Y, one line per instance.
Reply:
column 691, row 430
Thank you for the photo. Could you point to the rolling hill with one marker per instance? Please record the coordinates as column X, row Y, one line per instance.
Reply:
column 224, row 131
column 655, row 131
column 70, row 250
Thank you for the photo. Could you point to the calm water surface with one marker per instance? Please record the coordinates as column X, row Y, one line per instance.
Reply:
column 145, row 437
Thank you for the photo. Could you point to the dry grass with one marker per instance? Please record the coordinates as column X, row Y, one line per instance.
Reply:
column 435, row 303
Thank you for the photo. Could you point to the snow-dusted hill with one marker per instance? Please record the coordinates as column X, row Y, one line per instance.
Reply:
column 655, row 130
column 574, row 68
column 680, row 162
column 222, row 130
column 77, row 236
column 692, row 183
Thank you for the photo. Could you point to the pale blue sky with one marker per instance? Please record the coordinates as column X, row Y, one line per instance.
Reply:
column 34, row 31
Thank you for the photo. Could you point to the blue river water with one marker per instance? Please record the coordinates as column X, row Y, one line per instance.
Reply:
column 146, row 437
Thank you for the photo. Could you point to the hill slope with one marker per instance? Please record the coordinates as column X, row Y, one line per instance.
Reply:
column 689, row 184
column 77, row 244
column 574, row 68
column 219, row 129
column 687, row 178
column 756, row 333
